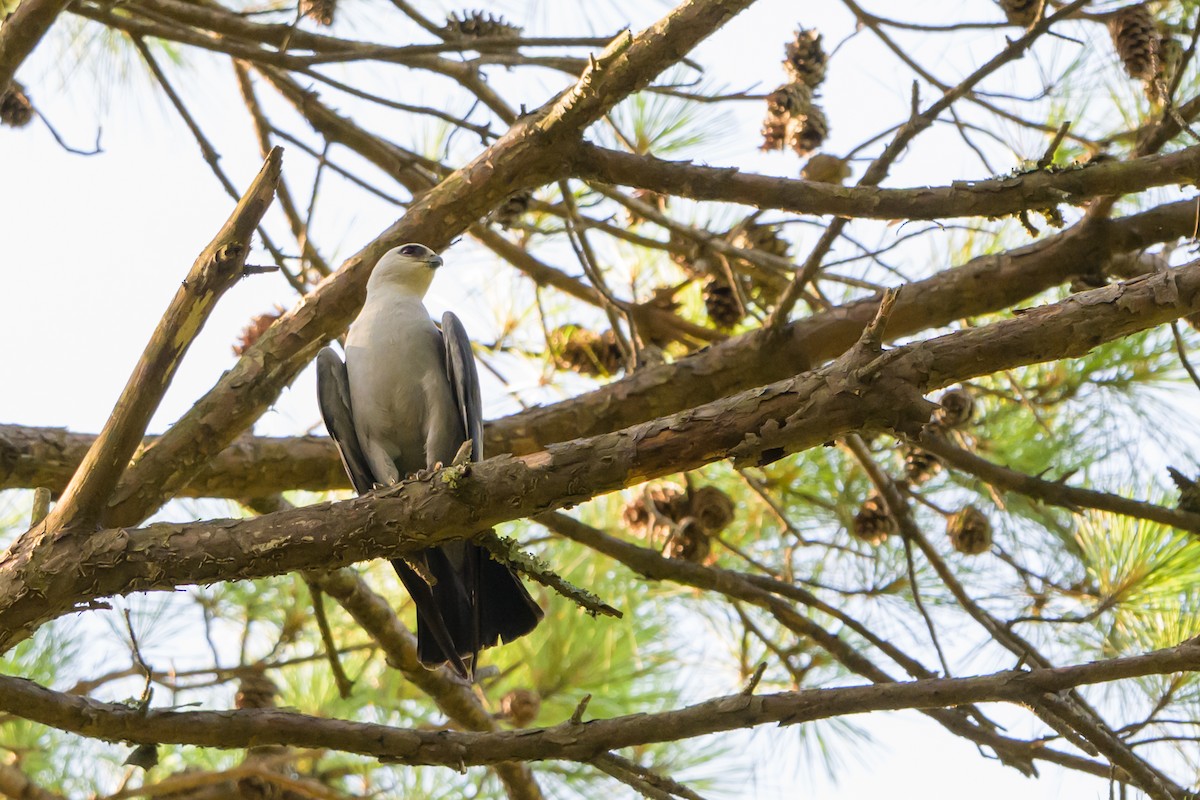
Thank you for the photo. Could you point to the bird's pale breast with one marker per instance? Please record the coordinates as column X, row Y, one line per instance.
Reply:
column 399, row 392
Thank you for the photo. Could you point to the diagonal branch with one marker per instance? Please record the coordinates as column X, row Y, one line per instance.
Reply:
column 216, row 269
column 16, row 784
column 879, row 168
column 770, row 595
column 452, row 696
column 1056, row 493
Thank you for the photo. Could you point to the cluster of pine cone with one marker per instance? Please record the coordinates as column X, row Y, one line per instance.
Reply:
column 723, row 302
column 955, row 408
column 586, row 352
column 969, row 530
column 683, row 522
column 793, row 118
column 1147, row 53
column 15, row 109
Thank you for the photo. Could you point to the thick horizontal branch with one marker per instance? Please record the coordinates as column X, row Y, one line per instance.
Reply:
column 253, row 466
column 575, row 741
column 756, row 426
column 985, row 198
column 983, row 285
column 257, row 466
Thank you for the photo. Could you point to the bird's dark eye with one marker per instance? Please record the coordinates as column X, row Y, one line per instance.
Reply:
column 410, row 250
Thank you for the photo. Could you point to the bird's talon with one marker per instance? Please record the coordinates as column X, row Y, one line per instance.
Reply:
column 424, row 474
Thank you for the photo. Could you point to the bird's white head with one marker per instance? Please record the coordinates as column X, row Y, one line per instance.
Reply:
column 409, row 267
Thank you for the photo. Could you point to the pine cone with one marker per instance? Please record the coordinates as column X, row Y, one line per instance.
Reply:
column 655, row 510
column 721, row 303
column 255, row 690
column 1170, row 56
column 774, row 133
column 256, row 328
column 920, row 466
column 319, row 10
column 479, row 25
column 509, row 213
column 689, row 542
column 711, row 508
column 1136, row 39
column 873, row 524
column 805, row 62
column 520, row 707
column 654, row 199
column 955, row 408
column 765, row 238
column 1020, row 12
column 692, row 257
column 15, row 109
column 588, row 353
column 749, row 235
column 970, row 531
column 823, row 168
column 811, row 134
column 1189, row 491
column 785, row 105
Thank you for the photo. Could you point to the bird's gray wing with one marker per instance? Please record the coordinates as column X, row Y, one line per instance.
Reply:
column 333, row 395
column 500, row 607
column 464, row 381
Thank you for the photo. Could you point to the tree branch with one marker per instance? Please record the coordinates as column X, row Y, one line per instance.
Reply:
column 570, row 740
column 770, row 595
column 455, row 698
column 755, row 427
column 216, row 269
column 15, row 784
column 21, row 32
column 1055, row 493
column 994, row 197
column 260, row 466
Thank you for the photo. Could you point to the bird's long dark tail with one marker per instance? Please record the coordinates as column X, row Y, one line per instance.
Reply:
column 476, row 604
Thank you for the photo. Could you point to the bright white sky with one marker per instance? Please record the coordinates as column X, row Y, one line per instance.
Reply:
column 94, row 248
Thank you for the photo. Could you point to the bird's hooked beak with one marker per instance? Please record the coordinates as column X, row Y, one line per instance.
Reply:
column 433, row 260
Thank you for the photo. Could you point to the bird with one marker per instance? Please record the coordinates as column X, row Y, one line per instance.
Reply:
column 404, row 402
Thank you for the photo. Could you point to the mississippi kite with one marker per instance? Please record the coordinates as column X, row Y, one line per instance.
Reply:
column 405, row 400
